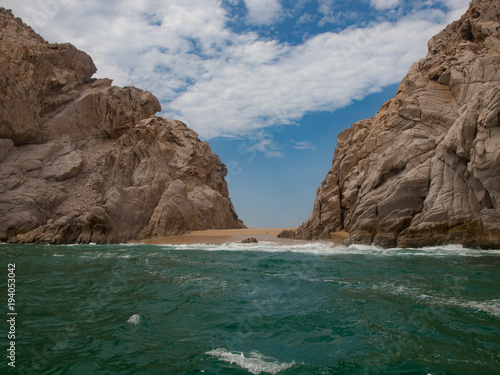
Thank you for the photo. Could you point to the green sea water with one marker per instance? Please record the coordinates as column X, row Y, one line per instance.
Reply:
column 251, row 309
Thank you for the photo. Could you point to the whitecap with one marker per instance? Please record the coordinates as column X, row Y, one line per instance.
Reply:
column 134, row 319
column 134, row 244
column 263, row 246
column 491, row 307
column 328, row 248
column 255, row 362
column 397, row 289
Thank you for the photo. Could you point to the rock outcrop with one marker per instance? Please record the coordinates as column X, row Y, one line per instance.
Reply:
column 84, row 161
column 426, row 169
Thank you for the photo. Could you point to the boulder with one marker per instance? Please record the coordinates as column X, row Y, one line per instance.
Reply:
column 250, row 240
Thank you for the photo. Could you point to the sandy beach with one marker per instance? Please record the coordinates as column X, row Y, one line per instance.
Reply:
column 220, row 236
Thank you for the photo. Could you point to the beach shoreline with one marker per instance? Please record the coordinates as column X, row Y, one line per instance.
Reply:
column 221, row 236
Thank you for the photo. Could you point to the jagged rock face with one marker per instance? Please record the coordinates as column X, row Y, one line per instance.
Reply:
column 426, row 169
column 83, row 161
column 35, row 78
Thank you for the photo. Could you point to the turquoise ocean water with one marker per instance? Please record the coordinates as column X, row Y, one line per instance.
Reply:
column 251, row 309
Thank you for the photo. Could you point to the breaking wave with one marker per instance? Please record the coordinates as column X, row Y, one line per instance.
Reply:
column 325, row 248
column 254, row 362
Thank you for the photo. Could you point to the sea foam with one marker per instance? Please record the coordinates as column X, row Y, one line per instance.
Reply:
column 255, row 362
column 134, row 319
column 327, row 248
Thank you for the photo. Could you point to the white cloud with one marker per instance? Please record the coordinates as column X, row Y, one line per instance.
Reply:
column 263, row 12
column 270, row 83
column 226, row 84
column 384, row 4
column 327, row 9
column 457, row 8
column 304, row 145
column 263, row 141
column 306, row 18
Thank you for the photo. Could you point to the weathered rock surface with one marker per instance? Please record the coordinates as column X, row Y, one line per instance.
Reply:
column 426, row 169
column 83, row 161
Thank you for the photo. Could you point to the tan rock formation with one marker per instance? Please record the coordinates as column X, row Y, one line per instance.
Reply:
column 426, row 169
column 83, row 161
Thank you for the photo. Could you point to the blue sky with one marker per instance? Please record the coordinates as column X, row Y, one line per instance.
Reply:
column 269, row 83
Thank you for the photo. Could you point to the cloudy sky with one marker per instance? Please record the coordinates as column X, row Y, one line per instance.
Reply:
column 269, row 83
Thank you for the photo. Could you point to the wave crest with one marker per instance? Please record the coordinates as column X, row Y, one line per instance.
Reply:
column 255, row 362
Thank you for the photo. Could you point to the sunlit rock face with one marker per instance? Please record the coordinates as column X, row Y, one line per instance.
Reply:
column 425, row 170
column 84, row 161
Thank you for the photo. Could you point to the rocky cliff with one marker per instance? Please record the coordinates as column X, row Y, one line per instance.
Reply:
column 84, row 161
column 426, row 169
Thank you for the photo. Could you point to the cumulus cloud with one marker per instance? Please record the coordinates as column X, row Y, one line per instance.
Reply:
column 227, row 83
column 267, row 83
